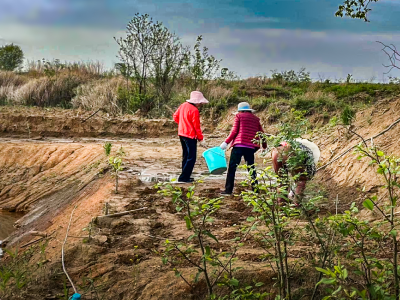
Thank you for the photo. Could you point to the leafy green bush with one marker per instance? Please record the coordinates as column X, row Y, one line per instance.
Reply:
column 291, row 76
column 130, row 101
column 347, row 116
column 11, row 57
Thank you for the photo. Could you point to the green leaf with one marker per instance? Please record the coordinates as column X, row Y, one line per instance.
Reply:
column 345, row 274
column 380, row 153
column 188, row 222
column 196, row 279
column 206, row 232
column 368, row 204
column 393, row 233
column 258, row 284
column 208, row 250
column 328, row 280
column 323, row 271
column 338, row 290
column 177, row 273
column 234, row 282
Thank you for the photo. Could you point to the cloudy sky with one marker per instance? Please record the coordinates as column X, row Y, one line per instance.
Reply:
column 252, row 37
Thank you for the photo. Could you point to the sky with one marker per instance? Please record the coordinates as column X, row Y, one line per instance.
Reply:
column 252, row 37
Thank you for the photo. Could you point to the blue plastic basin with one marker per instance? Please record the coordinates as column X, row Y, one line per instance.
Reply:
column 215, row 159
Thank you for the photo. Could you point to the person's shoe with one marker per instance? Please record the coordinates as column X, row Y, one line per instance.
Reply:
column 186, row 181
column 225, row 194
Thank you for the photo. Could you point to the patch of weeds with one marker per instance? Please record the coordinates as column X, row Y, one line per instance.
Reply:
column 333, row 121
column 261, row 103
column 314, row 102
column 347, row 90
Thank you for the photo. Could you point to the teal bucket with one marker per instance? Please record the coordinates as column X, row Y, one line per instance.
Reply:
column 215, row 159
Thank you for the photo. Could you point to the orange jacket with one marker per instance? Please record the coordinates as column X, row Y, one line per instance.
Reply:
column 188, row 118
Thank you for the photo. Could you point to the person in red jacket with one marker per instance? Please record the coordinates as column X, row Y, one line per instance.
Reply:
column 244, row 130
column 188, row 118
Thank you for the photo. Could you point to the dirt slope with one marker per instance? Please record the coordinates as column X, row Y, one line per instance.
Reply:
column 346, row 175
column 52, row 122
column 30, row 172
column 120, row 257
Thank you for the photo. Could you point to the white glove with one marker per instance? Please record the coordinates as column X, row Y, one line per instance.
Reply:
column 224, row 146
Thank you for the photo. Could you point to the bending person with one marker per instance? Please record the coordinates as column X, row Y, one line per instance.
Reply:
column 244, row 130
column 188, row 118
column 306, row 155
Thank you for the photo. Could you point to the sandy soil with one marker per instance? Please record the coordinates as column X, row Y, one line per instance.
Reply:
column 120, row 258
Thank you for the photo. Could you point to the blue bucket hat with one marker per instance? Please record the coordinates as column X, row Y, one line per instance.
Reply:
column 244, row 106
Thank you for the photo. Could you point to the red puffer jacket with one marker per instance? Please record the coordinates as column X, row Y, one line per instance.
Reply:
column 244, row 130
column 188, row 118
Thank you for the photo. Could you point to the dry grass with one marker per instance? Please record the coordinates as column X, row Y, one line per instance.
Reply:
column 6, row 92
column 257, row 82
column 218, row 92
column 37, row 68
column 100, row 94
column 315, row 95
column 11, row 79
column 46, row 91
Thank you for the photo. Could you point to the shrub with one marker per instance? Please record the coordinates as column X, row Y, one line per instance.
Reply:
column 11, row 57
column 291, row 76
column 130, row 101
column 347, row 116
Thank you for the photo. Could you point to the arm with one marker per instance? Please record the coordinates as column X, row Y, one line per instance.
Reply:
column 196, row 125
column 176, row 115
column 234, row 131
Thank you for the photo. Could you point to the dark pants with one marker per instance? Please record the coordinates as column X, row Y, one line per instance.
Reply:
column 236, row 157
column 189, row 147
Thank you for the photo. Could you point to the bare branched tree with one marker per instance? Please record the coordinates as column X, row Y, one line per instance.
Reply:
column 137, row 49
column 393, row 55
column 167, row 63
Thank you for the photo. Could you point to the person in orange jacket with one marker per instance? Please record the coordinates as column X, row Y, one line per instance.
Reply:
column 188, row 118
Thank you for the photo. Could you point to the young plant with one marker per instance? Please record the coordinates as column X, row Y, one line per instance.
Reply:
column 388, row 167
column 272, row 226
column 115, row 162
column 199, row 248
column 107, row 148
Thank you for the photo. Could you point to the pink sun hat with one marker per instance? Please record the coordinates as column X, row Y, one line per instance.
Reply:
column 197, row 98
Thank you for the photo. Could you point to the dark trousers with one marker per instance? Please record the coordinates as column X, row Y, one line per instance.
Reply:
column 189, row 147
column 236, row 156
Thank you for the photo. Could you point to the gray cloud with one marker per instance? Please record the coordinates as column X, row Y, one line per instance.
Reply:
column 249, row 52
column 330, row 54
